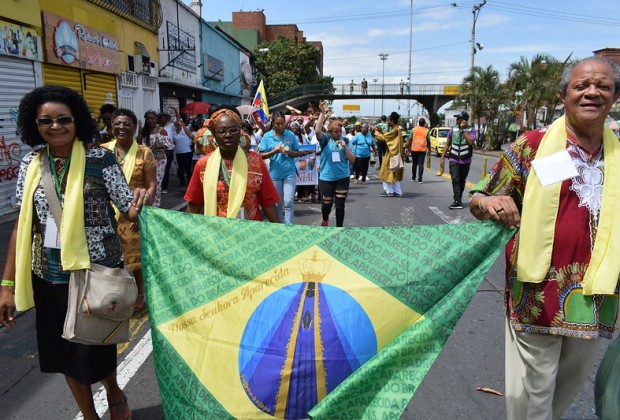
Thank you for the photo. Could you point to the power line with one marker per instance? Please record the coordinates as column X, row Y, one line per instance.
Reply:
column 551, row 14
column 370, row 16
column 398, row 52
column 495, row 5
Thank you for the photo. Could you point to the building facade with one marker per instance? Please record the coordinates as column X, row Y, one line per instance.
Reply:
column 21, row 56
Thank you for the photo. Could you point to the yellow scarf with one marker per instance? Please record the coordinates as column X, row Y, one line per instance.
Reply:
column 129, row 164
column 238, row 183
column 540, row 209
column 74, row 249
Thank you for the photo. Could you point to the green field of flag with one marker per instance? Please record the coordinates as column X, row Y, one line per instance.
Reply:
column 256, row 320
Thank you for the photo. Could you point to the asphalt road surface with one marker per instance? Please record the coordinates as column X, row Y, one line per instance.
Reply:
column 472, row 358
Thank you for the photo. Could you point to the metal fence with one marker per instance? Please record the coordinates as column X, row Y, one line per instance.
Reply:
column 374, row 89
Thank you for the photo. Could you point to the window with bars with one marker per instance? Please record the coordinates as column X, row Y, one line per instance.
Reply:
column 145, row 13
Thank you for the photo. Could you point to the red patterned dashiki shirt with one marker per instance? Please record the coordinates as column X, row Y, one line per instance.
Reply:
column 557, row 304
column 260, row 190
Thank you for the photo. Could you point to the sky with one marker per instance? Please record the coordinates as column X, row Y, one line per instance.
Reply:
column 355, row 32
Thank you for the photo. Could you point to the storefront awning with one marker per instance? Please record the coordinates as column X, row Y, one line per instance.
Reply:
column 141, row 49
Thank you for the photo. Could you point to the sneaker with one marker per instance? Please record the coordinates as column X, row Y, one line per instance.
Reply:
column 420, row 181
column 456, row 205
column 397, row 195
column 164, row 191
column 352, row 177
column 325, row 223
column 359, row 179
column 385, row 194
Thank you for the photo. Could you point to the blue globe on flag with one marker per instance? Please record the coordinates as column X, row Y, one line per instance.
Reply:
column 300, row 343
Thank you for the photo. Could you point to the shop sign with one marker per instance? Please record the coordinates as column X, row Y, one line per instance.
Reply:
column 72, row 44
column 20, row 41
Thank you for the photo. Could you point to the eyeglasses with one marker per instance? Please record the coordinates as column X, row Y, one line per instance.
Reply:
column 231, row 130
column 47, row 122
column 122, row 124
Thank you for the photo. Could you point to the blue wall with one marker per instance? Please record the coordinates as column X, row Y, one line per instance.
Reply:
column 216, row 44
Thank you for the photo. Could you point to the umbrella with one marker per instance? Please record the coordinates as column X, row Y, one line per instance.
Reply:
column 196, row 108
column 246, row 109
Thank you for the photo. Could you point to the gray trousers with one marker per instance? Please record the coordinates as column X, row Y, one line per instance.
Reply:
column 545, row 372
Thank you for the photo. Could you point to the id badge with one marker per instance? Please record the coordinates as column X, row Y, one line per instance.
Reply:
column 555, row 168
column 52, row 235
column 335, row 156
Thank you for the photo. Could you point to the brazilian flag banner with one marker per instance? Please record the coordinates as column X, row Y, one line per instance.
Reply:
column 256, row 320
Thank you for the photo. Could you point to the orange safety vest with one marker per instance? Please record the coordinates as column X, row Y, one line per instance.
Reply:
column 418, row 142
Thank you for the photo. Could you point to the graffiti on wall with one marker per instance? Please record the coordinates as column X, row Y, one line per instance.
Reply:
column 10, row 156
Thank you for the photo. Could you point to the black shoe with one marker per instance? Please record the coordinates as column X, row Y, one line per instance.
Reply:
column 456, row 205
column 384, row 194
column 397, row 195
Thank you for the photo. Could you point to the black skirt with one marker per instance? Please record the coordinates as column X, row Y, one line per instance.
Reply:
column 86, row 364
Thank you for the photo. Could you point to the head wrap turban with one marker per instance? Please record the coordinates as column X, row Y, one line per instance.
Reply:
column 215, row 117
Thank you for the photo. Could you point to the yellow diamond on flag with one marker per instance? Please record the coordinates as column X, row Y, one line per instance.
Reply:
column 276, row 345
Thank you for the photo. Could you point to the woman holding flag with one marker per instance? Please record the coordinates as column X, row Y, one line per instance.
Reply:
column 41, row 253
column 140, row 171
column 231, row 181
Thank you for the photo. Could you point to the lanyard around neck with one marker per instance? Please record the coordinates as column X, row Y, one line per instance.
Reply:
column 120, row 157
column 58, row 182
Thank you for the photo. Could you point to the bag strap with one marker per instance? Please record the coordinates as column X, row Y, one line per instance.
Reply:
column 48, row 187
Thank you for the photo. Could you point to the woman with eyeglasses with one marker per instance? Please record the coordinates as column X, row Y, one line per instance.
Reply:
column 87, row 180
column 139, row 169
column 334, row 175
column 155, row 137
column 281, row 147
column 231, row 181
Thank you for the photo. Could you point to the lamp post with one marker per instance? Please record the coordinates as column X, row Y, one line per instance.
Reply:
column 410, row 50
column 475, row 12
column 383, row 57
column 374, row 99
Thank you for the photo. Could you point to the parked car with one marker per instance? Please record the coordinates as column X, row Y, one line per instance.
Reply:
column 439, row 137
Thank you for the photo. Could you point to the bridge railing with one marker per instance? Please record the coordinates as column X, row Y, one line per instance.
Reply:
column 302, row 90
column 374, row 89
column 396, row 89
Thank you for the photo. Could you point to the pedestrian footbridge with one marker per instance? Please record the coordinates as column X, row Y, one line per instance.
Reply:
column 431, row 96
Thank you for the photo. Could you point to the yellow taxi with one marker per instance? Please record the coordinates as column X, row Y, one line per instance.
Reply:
column 439, row 137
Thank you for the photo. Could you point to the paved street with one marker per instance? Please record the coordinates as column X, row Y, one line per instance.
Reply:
column 472, row 357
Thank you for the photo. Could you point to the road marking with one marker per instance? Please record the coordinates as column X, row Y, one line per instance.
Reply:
column 447, row 176
column 125, row 371
column 449, row 220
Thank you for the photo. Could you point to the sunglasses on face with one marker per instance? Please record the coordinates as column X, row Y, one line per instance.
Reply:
column 231, row 130
column 46, row 122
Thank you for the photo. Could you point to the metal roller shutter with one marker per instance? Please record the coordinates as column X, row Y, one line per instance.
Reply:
column 16, row 79
column 63, row 76
column 99, row 89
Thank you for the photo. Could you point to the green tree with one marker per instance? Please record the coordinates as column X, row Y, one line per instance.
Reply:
column 284, row 63
column 535, row 84
column 485, row 96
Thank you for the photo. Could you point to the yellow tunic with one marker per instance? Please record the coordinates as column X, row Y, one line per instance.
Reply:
column 394, row 142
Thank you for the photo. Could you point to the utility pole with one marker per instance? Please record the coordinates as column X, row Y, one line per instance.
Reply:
column 383, row 57
column 374, row 99
column 475, row 12
column 410, row 50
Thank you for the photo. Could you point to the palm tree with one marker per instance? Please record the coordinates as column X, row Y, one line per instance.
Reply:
column 485, row 95
column 538, row 81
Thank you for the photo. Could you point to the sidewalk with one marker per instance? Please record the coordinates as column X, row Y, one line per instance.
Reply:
column 172, row 201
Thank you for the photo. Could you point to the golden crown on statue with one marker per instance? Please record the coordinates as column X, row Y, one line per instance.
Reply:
column 313, row 269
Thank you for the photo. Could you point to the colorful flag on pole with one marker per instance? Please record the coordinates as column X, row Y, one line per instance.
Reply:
column 254, row 320
column 260, row 101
